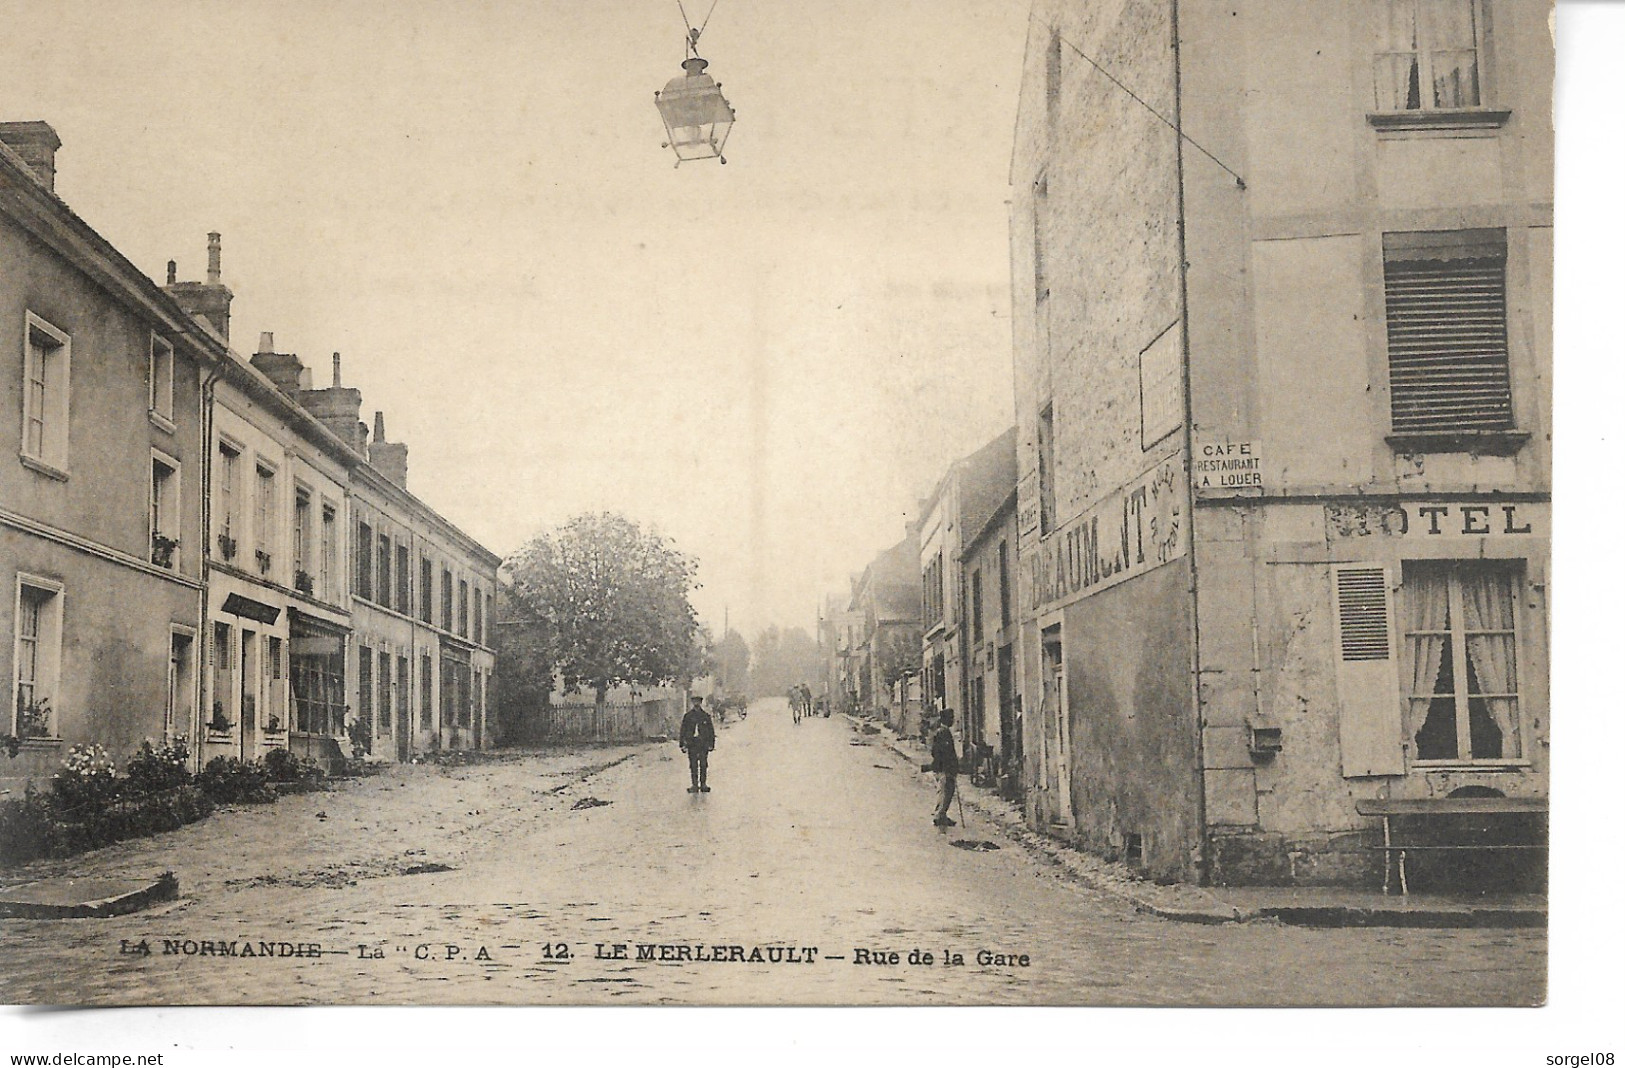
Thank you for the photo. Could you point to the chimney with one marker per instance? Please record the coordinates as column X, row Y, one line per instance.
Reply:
column 338, row 409
column 282, row 368
column 209, row 301
column 387, row 457
column 36, row 143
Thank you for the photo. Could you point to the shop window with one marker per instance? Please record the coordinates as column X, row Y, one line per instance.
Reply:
column 1428, row 55
column 1447, row 331
column 46, row 352
column 37, row 654
column 1461, row 641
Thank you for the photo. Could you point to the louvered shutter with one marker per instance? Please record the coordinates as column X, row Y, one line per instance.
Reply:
column 1368, row 725
column 1447, row 331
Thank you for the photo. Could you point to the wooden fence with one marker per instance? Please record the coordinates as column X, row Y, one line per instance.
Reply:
column 600, row 723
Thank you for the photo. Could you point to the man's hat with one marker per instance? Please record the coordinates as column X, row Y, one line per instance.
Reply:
column 696, row 700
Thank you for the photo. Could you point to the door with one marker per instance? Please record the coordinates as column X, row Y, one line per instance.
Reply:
column 1057, row 729
column 249, row 676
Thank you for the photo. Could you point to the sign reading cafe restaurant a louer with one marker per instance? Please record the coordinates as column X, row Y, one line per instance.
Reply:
column 1135, row 529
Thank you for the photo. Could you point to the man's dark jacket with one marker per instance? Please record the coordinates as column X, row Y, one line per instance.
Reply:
column 944, row 757
column 697, row 734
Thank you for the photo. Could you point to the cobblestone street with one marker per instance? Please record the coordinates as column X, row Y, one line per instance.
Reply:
column 808, row 840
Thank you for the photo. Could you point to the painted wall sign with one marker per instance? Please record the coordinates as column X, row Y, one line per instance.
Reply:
column 1436, row 519
column 1227, row 465
column 1135, row 529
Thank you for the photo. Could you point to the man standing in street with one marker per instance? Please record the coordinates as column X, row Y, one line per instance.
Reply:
column 945, row 762
column 697, row 738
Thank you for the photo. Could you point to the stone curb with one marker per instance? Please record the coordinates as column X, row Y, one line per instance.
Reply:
column 164, row 888
column 1220, row 911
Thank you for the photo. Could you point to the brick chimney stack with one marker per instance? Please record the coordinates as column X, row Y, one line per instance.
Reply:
column 388, row 457
column 36, row 143
column 338, row 409
column 283, row 368
column 208, row 301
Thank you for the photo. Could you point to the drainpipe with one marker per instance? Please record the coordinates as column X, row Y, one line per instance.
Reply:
column 205, row 637
column 1190, row 494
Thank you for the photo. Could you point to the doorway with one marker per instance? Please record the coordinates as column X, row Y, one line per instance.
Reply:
column 1057, row 729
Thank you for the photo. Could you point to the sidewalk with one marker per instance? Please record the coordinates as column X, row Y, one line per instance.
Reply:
column 1302, row 906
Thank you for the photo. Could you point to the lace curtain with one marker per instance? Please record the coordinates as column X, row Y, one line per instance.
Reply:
column 1487, row 606
column 1440, row 34
column 1433, row 705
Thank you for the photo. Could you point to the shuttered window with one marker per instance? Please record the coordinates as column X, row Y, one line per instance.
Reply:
column 1362, row 612
column 1447, row 331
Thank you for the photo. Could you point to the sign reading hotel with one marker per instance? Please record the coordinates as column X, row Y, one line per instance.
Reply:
column 1232, row 466
column 1421, row 520
column 1135, row 529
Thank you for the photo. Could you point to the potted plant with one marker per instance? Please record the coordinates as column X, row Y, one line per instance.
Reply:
column 217, row 721
column 228, row 546
column 304, row 582
column 264, row 560
column 163, row 549
column 273, row 724
column 33, row 717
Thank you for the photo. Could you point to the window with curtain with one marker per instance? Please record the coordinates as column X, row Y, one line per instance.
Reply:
column 1461, row 641
column 1427, row 57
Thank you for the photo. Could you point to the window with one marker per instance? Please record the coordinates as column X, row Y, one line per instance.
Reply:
column 490, row 617
column 163, row 511
column 361, row 584
column 1004, row 584
column 37, row 654
column 264, row 516
column 386, row 557
column 426, row 590
column 1447, row 331
column 276, row 689
column 426, row 692
column 1428, row 55
column 45, row 395
column 479, row 618
column 1040, row 224
column 161, row 381
column 330, row 551
column 178, row 696
column 386, row 694
column 1052, row 77
column 221, row 658
column 445, row 599
column 364, row 684
column 931, row 601
column 1461, row 642
column 403, row 692
column 1046, row 469
column 976, row 605
column 462, row 608
column 226, row 491
column 302, row 578
column 403, row 579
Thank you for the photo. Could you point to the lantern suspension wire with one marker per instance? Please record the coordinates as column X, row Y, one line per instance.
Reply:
column 693, row 34
column 1240, row 182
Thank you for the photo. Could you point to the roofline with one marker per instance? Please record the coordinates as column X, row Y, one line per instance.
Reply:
column 1006, row 508
column 378, row 479
column 47, row 216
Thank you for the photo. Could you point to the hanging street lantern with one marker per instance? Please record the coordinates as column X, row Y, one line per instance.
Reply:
column 696, row 115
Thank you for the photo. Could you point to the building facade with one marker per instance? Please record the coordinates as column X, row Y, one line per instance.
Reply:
column 1283, row 353
column 992, row 702
column 884, row 633
column 101, row 535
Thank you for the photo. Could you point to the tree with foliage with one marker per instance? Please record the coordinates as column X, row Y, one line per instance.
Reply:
column 732, row 662
column 780, row 659
column 615, row 601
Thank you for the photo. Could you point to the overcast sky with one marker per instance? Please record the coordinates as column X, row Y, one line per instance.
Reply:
column 769, row 360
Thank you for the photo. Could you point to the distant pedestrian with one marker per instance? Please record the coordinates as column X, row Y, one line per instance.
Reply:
column 945, row 762
column 697, row 738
